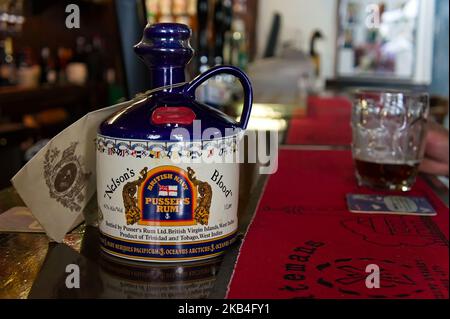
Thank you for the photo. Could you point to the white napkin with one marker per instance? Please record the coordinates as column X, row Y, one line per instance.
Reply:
column 57, row 183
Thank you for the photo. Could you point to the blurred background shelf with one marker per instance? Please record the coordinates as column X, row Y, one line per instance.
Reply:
column 17, row 100
column 32, row 115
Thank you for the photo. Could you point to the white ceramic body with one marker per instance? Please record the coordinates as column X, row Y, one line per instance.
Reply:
column 151, row 195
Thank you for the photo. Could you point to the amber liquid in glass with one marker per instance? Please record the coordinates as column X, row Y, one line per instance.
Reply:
column 392, row 176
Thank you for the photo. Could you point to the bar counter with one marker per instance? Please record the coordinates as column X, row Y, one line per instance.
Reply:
column 33, row 267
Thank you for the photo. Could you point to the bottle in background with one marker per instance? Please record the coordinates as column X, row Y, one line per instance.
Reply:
column 63, row 57
column 218, row 91
column 44, row 63
column 7, row 64
column 219, row 32
column 3, row 77
column 116, row 93
column 202, row 38
column 152, row 10
column 77, row 69
column 27, row 70
column 228, row 35
column 4, row 10
column 239, row 56
column 95, row 61
column 16, row 18
column 165, row 7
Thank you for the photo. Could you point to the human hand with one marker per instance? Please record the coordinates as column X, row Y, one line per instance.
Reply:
column 436, row 160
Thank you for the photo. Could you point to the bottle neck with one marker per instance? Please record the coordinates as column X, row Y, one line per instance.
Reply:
column 165, row 76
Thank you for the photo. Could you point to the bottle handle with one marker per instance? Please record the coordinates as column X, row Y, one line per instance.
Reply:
column 243, row 79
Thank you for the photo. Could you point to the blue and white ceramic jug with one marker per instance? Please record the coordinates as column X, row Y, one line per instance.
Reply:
column 167, row 176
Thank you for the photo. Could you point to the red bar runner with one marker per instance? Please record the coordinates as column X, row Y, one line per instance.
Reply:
column 327, row 123
column 304, row 243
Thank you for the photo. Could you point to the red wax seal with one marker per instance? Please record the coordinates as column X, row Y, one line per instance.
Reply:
column 173, row 115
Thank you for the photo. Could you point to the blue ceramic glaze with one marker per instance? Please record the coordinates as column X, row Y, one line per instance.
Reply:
column 165, row 49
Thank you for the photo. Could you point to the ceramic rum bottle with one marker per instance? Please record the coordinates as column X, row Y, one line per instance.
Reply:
column 167, row 176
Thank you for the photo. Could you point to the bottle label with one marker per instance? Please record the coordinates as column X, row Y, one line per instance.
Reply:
column 167, row 197
column 158, row 204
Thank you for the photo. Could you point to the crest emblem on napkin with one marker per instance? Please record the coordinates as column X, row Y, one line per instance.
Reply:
column 66, row 176
column 58, row 182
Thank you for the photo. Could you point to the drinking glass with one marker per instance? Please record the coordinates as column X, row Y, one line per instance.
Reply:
column 389, row 130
